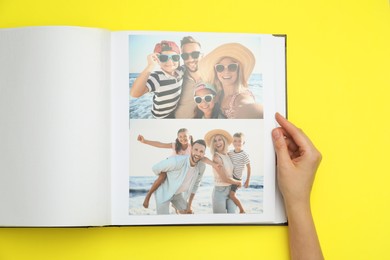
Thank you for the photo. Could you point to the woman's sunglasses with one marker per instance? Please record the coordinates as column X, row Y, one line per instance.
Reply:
column 232, row 67
column 194, row 55
column 208, row 98
column 166, row 57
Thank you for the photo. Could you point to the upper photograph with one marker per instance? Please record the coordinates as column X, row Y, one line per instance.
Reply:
column 195, row 76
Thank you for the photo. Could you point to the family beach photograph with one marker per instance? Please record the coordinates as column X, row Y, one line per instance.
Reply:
column 183, row 165
column 163, row 75
column 152, row 150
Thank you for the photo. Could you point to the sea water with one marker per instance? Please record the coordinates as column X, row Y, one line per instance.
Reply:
column 251, row 198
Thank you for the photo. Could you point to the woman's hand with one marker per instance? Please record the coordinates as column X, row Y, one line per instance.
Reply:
column 297, row 162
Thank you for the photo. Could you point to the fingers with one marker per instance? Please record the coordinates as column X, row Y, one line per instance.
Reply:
column 140, row 138
column 292, row 131
column 291, row 145
column 280, row 145
column 297, row 142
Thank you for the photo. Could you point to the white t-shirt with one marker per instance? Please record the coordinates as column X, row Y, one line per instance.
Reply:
column 187, row 180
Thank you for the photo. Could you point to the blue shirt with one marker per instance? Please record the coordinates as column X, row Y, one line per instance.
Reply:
column 176, row 168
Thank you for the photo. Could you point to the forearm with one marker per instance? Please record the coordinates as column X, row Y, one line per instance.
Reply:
column 248, row 172
column 304, row 243
column 157, row 144
column 207, row 161
column 226, row 179
column 139, row 86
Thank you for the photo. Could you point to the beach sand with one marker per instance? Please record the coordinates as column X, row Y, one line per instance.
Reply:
column 251, row 199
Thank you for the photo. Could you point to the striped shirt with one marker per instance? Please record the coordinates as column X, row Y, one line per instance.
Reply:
column 167, row 90
column 239, row 161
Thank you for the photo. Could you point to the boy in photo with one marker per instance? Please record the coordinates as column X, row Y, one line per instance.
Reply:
column 165, row 84
column 240, row 159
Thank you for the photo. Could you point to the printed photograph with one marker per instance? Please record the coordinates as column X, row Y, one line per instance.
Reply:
column 196, row 167
column 195, row 76
column 185, row 165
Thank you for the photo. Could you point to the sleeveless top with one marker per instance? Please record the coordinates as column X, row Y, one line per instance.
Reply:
column 228, row 165
column 230, row 112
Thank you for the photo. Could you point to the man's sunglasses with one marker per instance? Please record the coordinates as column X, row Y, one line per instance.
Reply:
column 232, row 67
column 166, row 57
column 208, row 98
column 194, row 55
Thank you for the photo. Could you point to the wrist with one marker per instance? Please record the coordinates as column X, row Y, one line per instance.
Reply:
column 297, row 207
column 149, row 69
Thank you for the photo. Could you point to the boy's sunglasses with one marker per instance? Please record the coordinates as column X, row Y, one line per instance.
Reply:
column 166, row 57
column 232, row 67
column 194, row 55
column 208, row 98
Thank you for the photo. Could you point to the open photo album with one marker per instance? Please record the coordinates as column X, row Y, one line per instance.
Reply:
column 112, row 128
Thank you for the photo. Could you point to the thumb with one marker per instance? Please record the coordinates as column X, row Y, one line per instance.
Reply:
column 280, row 146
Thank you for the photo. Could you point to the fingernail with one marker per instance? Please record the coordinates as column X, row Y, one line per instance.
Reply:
column 275, row 134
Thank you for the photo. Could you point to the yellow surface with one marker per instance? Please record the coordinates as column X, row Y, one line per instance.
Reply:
column 338, row 92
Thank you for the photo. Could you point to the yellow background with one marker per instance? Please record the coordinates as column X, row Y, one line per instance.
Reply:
column 338, row 92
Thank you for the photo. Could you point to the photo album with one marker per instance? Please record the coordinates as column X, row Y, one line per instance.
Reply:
column 121, row 128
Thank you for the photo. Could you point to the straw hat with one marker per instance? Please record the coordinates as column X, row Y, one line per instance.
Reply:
column 211, row 133
column 236, row 51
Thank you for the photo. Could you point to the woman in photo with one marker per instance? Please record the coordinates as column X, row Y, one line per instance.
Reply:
column 219, row 140
column 228, row 67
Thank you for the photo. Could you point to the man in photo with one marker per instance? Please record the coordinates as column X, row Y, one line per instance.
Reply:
column 184, row 173
column 191, row 55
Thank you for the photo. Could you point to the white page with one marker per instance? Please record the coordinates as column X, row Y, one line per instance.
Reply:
column 127, row 152
column 55, row 126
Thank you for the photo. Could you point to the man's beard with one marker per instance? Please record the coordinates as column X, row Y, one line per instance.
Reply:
column 192, row 69
column 195, row 160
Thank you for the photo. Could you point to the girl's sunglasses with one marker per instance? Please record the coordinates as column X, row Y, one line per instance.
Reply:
column 166, row 57
column 194, row 55
column 232, row 67
column 208, row 98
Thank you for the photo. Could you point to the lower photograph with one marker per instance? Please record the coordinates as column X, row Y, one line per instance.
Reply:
column 180, row 167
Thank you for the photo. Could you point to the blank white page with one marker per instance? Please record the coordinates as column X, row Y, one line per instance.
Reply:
column 54, row 126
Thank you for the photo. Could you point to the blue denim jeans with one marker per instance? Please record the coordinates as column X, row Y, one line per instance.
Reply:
column 221, row 201
column 177, row 200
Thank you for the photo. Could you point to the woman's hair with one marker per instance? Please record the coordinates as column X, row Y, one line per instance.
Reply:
column 178, row 146
column 212, row 148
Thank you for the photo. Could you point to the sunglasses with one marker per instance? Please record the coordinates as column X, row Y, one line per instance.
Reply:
column 166, row 57
column 232, row 67
column 194, row 55
column 208, row 98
